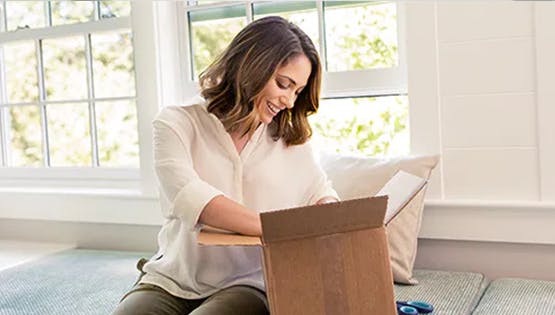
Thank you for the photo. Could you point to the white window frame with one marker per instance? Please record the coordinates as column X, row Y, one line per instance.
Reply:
column 358, row 83
column 94, row 177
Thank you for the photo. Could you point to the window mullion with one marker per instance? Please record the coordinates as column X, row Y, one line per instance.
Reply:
column 189, row 32
column 249, row 12
column 4, row 26
column 90, row 92
column 3, row 119
column 3, row 139
column 42, row 103
column 48, row 13
column 97, row 11
column 322, row 34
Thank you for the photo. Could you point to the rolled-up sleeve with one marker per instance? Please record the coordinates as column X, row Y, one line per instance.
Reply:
column 179, row 183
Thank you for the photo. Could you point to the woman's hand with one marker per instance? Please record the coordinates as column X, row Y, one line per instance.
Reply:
column 327, row 199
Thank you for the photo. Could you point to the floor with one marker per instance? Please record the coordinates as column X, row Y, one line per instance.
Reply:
column 13, row 253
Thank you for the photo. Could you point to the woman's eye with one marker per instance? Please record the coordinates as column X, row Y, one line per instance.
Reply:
column 281, row 85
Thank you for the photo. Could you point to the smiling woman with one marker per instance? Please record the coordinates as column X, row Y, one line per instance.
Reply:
column 281, row 92
column 267, row 75
column 225, row 158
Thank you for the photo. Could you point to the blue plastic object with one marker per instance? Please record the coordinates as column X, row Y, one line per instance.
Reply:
column 406, row 310
column 413, row 307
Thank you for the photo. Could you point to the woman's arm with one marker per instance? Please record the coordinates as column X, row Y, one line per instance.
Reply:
column 224, row 213
column 192, row 199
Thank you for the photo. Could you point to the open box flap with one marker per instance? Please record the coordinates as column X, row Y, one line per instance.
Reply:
column 316, row 220
column 336, row 217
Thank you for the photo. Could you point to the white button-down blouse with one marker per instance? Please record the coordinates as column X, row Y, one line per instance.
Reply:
column 195, row 161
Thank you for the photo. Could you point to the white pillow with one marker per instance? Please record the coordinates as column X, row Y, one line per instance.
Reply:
column 356, row 177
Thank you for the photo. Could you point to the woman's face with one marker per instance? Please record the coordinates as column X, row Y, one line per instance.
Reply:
column 281, row 91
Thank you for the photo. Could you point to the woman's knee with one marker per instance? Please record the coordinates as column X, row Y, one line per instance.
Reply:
column 236, row 300
column 150, row 300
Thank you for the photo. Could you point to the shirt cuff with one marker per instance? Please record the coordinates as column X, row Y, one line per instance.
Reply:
column 192, row 199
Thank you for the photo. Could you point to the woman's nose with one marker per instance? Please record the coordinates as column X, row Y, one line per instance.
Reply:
column 288, row 101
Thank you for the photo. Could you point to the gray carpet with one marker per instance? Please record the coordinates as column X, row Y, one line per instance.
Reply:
column 72, row 282
column 451, row 293
column 87, row 282
column 518, row 296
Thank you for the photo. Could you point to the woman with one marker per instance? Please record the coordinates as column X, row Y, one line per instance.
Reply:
column 239, row 150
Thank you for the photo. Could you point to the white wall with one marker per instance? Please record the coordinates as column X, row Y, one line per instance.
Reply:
column 480, row 91
column 480, row 67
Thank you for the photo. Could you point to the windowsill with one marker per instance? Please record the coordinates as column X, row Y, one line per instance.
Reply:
column 81, row 205
column 118, row 193
column 526, row 222
column 477, row 203
column 489, row 221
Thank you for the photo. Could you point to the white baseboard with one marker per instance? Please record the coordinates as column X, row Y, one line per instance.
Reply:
column 13, row 253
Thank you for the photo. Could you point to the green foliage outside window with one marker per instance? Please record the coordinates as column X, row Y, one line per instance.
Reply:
column 64, row 62
column 375, row 126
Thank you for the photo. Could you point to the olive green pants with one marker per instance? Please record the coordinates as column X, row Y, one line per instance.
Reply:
column 148, row 299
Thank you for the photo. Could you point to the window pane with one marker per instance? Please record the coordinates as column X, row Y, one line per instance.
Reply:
column 113, row 65
column 20, row 62
column 65, row 68
column 302, row 13
column 360, row 36
column 110, row 9
column 372, row 126
column 118, row 143
column 25, row 13
column 69, row 12
column 25, row 136
column 68, row 134
column 211, row 36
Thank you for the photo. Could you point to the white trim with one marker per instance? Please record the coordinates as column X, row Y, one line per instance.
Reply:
column 4, row 139
column 147, row 76
column 364, row 83
column 545, row 74
column 4, row 17
column 13, row 253
column 66, row 30
column 186, row 64
column 463, row 220
column 423, row 86
column 90, row 93
column 117, row 207
column 489, row 221
column 170, row 47
column 65, row 173
column 322, row 34
column 42, row 97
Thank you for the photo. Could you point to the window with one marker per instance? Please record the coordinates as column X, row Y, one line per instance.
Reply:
column 364, row 107
column 67, row 88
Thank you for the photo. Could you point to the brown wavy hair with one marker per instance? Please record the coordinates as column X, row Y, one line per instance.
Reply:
column 233, row 81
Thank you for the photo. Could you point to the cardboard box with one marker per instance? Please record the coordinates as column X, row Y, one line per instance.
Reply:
column 329, row 259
